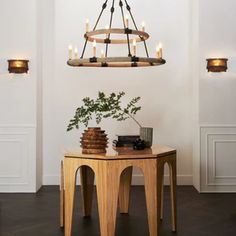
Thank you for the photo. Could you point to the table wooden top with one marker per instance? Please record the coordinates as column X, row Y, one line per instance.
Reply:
column 123, row 153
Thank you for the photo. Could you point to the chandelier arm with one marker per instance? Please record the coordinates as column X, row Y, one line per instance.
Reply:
column 99, row 17
column 135, row 25
column 127, row 35
column 84, row 48
column 110, row 24
column 95, row 26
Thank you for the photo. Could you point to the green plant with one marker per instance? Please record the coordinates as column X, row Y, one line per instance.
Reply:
column 104, row 106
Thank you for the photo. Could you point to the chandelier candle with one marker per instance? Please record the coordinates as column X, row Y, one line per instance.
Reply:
column 134, row 47
column 157, row 51
column 127, row 21
column 143, row 26
column 87, row 25
column 76, row 53
column 70, row 48
column 160, row 50
column 107, row 28
column 94, row 48
column 102, row 53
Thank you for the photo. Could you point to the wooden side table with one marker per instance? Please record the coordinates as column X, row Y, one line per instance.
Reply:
column 113, row 172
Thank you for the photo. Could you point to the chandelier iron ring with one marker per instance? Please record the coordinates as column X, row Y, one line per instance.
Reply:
column 116, row 62
column 142, row 36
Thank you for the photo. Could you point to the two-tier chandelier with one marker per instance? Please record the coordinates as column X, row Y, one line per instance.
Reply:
column 103, row 36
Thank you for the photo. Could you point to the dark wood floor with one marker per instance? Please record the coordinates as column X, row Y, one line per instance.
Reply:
column 198, row 215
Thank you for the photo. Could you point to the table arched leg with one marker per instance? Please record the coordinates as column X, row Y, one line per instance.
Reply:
column 162, row 195
column 62, row 193
column 70, row 171
column 87, row 185
column 124, row 191
column 107, row 181
column 172, row 166
column 150, row 181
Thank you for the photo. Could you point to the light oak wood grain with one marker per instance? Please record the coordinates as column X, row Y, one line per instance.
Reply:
column 124, row 192
column 109, row 174
column 123, row 153
column 150, row 183
column 87, row 185
column 62, row 193
column 172, row 165
column 171, row 161
column 70, row 170
column 107, row 180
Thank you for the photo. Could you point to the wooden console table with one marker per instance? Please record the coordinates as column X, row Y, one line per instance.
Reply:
column 113, row 172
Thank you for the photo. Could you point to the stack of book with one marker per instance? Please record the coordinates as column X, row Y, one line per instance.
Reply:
column 125, row 140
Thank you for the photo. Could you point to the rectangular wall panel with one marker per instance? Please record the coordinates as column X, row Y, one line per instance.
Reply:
column 18, row 158
column 218, row 159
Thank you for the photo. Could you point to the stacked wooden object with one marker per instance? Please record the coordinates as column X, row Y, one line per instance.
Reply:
column 94, row 141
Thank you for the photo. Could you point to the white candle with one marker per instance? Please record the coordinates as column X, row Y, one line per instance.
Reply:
column 76, row 53
column 70, row 48
column 87, row 25
column 134, row 47
column 94, row 48
column 157, row 51
column 127, row 21
column 102, row 53
column 107, row 28
column 143, row 26
column 160, row 50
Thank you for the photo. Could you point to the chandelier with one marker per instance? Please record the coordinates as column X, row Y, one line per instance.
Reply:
column 106, row 36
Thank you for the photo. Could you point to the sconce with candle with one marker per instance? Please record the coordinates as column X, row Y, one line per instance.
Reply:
column 217, row 64
column 18, row 66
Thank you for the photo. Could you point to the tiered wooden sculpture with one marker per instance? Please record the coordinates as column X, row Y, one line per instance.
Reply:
column 94, row 141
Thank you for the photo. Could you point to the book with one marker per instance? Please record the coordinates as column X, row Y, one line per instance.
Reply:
column 125, row 140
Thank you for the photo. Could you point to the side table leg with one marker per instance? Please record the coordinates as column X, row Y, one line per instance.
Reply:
column 107, row 180
column 150, row 180
column 162, row 195
column 124, row 192
column 62, row 193
column 172, row 165
column 70, row 174
column 87, row 184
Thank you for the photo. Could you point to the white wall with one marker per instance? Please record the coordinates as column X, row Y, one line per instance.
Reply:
column 217, row 39
column 216, row 93
column 18, row 24
column 166, row 91
column 176, row 98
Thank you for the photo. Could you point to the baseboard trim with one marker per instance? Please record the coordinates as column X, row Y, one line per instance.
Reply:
column 136, row 180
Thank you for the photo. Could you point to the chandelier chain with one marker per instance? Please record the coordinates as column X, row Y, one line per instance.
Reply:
column 135, row 25
column 110, row 24
column 127, row 35
column 95, row 26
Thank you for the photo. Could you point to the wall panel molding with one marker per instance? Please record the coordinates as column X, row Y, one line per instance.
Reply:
column 17, row 162
column 218, row 158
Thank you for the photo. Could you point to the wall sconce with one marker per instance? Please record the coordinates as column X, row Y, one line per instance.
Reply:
column 217, row 64
column 18, row 66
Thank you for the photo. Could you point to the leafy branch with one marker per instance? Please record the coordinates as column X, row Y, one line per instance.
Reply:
column 104, row 107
